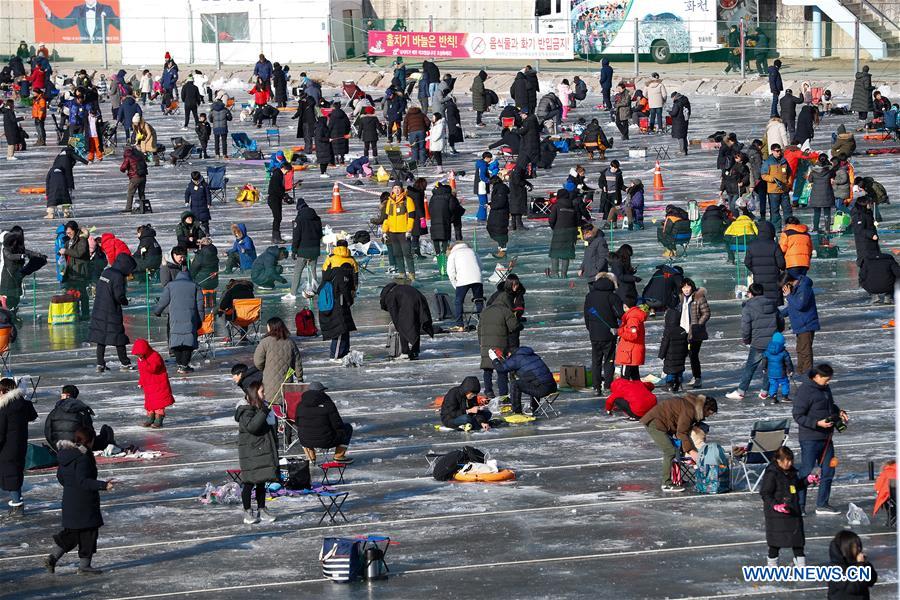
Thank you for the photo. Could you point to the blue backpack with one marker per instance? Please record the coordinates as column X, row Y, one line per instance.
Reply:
column 562, row 145
column 713, row 474
column 326, row 297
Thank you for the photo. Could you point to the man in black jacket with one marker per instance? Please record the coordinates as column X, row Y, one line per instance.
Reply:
column 306, row 239
column 530, row 132
column 275, row 199
column 191, row 98
column 602, row 312
column 788, row 105
column 878, row 273
column 817, row 418
column 532, row 375
column 69, row 414
column 319, row 425
column 460, row 408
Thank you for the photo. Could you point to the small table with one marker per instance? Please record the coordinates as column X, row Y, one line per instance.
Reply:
column 340, row 467
column 332, row 502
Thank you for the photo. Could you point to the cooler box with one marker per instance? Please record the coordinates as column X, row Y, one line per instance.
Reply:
column 63, row 310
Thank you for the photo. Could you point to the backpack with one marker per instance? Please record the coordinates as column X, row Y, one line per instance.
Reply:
column 251, row 155
column 713, row 474
column 298, row 477
column 326, row 297
column 361, row 237
column 442, row 306
column 141, row 167
column 449, row 464
column 340, row 558
column 305, row 322
column 491, row 98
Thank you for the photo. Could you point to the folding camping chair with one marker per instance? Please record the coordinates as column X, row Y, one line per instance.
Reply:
column 765, row 438
column 286, row 414
column 402, row 170
column 681, row 238
column 244, row 327
column 242, row 143
column 217, row 183
column 545, row 406
column 5, row 359
column 290, row 184
column 110, row 136
column 539, row 206
column 206, row 336
column 352, row 92
column 273, row 132
column 682, row 466
column 181, row 151
column 662, row 152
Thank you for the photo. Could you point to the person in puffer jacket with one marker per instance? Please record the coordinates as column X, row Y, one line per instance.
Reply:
column 460, row 408
column 148, row 255
column 243, row 251
column 846, row 550
column 266, row 272
column 634, row 398
column 797, row 247
column 779, row 368
column 533, row 377
column 760, row 320
column 68, row 416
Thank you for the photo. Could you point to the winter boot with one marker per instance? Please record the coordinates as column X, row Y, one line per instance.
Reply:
column 159, row 422
column 50, row 211
column 85, row 568
column 800, row 561
column 340, row 455
column 148, row 422
column 15, row 513
column 698, row 383
column 50, row 563
column 771, row 562
column 310, row 454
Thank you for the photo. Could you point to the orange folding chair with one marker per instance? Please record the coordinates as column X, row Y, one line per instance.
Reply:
column 244, row 327
column 5, row 333
column 206, row 336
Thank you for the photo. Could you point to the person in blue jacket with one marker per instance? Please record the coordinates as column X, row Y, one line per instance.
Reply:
column 779, row 368
column 263, row 71
column 804, row 315
column 606, row 78
column 533, row 376
column 197, row 194
column 243, row 251
column 168, row 81
column 775, row 85
column 482, row 183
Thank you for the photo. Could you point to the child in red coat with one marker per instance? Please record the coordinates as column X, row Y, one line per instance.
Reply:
column 634, row 398
column 154, row 380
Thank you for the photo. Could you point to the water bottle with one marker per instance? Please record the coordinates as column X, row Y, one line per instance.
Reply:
column 375, row 564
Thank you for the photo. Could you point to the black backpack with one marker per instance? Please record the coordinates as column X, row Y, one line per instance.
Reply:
column 449, row 464
column 298, row 477
column 361, row 237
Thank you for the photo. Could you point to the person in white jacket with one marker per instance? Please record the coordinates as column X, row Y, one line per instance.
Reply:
column 776, row 133
column 464, row 271
column 656, row 99
column 437, row 136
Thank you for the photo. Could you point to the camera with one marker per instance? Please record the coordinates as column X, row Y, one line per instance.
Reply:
column 839, row 424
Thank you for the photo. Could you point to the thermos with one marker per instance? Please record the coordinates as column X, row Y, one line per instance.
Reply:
column 375, row 564
column 871, row 470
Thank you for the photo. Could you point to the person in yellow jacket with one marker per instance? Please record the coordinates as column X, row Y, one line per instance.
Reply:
column 741, row 232
column 399, row 216
column 339, row 257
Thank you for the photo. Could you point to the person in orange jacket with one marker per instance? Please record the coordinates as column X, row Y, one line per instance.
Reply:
column 631, row 350
column 797, row 246
column 39, row 114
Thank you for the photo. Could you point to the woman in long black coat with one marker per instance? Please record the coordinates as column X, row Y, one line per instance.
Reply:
column 279, row 83
column 444, row 207
column 454, row 125
column 324, row 150
column 15, row 414
column 519, row 186
column 107, row 326
column 498, row 218
column 673, row 349
column 337, row 323
column 564, row 223
column 680, row 113
column 862, row 102
column 61, row 179
column 339, row 130
column 620, row 266
column 806, row 122
column 781, row 506
column 410, row 315
column 765, row 260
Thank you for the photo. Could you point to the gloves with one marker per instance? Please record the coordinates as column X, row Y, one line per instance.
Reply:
column 492, row 354
column 812, row 479
column 782, row 508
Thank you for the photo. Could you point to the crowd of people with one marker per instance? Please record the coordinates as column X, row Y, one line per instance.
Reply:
column 755, row 175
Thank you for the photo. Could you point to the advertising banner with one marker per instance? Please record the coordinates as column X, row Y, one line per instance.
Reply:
column 76, row 21
column 469, row 45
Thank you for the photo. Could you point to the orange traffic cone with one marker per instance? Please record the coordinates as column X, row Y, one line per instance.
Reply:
column 336, row 206
column 427, row 212
column 657, row 178
column 452, row 180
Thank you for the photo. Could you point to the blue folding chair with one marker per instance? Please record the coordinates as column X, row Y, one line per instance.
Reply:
column 217, row 182
column 242, row 142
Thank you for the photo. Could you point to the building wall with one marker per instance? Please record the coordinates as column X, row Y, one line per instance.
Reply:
column 458, row 15
column 794, row 37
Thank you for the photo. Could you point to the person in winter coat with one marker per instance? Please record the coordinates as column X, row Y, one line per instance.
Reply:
column 846, row 550
column 519, row 91
column 81, row 518
column 776, row 133
column 395, row 108
column 602, row 314
column 410, row 315
column 16, row 263
column 579, row 91
column 498, row 326
column 779, row 368
column 339, row 132
column 777, row 174
column 564, row 223
column 39, row 115
column 415, row 125
column 676, row 418
column 399, row 216
column 564, row 94
column 479, row 102
column 530, row 150
column 865, row 233
column 278, row 357
column 266, row 273
column 75, row 274
column 464, row 272
column 634, row 398
column 148, row 254
column 11, row 129
column 656, row 98
column 783, row 514
column 550, row 109
column 320, row 425
column 197, row 195
column 16, row 412
column 154, row 381
column 760, row 320
column 306, row 239
column 204, row 269
column 243, row 252
column 107, row 325
column 60, row 181
column 191, row 99
column 661, row 290
column 681, row 115
column 127, row 111
column 634, row 206
column 134, row 165
column 754, row 165
column 878, row 273
column 187, row 232
column 437, row 140
column 797, row 247
column 445, row 209
column 498, row 218
column 594, row 139
column 453, row 122
column 342, row 272
column 219, row 116
column 595, row 257
column 416, row 192
column 184, row 300
column 816, row 415
column 806, row 124
column 713, row 224
column 306, row 121
column 821, row 198
column 204, row 131
column 775, row 85
column 460, row 408
column 176, row 262
column 257, row 451
column 111, row 247
column 631, row 350
column 861, row 103
column 324, row 148
column 788, row 105
column 740, row 233
column 843, row 148
column 145, row 138
column 68, row 415
column 261, row 95
column 619, row 263
column 519, row 186
column 766, row 262
column 735, row 180
column 693, row 311
column 369, row 129
column 532, row 376
column 606, row 79
column 279, row 85
column 673, row 349
column 622, row 108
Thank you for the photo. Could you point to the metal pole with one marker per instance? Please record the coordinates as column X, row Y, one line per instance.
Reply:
column 34, row 298
column 897, row 388
column 537, row 29
column 261, row 49
column 218, row 53
column 690, row 48
column 743, row 38
column 856, row 45
column 637, row 61
column 147, row 298
column 190, row 33
column 816, row 32
column 330, row 49
column 105, row 48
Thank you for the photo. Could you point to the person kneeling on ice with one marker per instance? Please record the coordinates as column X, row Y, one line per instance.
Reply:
column 71, row 414
column 779, row 368
column 532, row 376
column 154, row 380
column 633, row 397
column 319, row 425
column 257, row 451
column 677, row 418
column 460, row 408
column 781, row 506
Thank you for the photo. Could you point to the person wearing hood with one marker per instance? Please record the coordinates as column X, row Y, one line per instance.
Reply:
column 148, row 254
column 15, row 413
column 306, row 121
column 519, row 91
column 453, row 122
column 821, row 197
column 676, row 418
column 498, row 218
column 550, row 109
column 464, row 272
column 204, row 269
column 445, row 209
column 681, row 116
column 865, row 232
column 81, row 517
column 714, row 223
column 760, row 320
column 519, row 186
column 175, row 264
column 845, row 551
column 339, row 132
column 324, row 148
column 266, row 273
column 107, row 321
column 595, row 255
column 579, row 91
column 68, row 415
column 595, row 140
column 187, row 232
column 76, row 273
column 634, row 207
column 656, row 98
column 442, row 91
column 498, row 328
column 765, row 261
column 191, row 99
column 563, row 222
column 694, row 314
column 460, row 408
column 804, row 315
column 184, row 301
column 197, row 195
column 319, row 424
column 806, row 124
column 479, row 102
column 306, row 240
column 219, row 116
column 606, row 79
column 530, row 151
column 878, row 272
column 602, row 314
column 862, row 102
column 342, row 272
column 60, row 182
column 16, row 263
column 779, row 489
column 532, row 376
column 279, row 85
column 410, row 316
column 779, row 368
column 797, row 247
column 788, row 105
column 257, row 451
column 243, row 251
